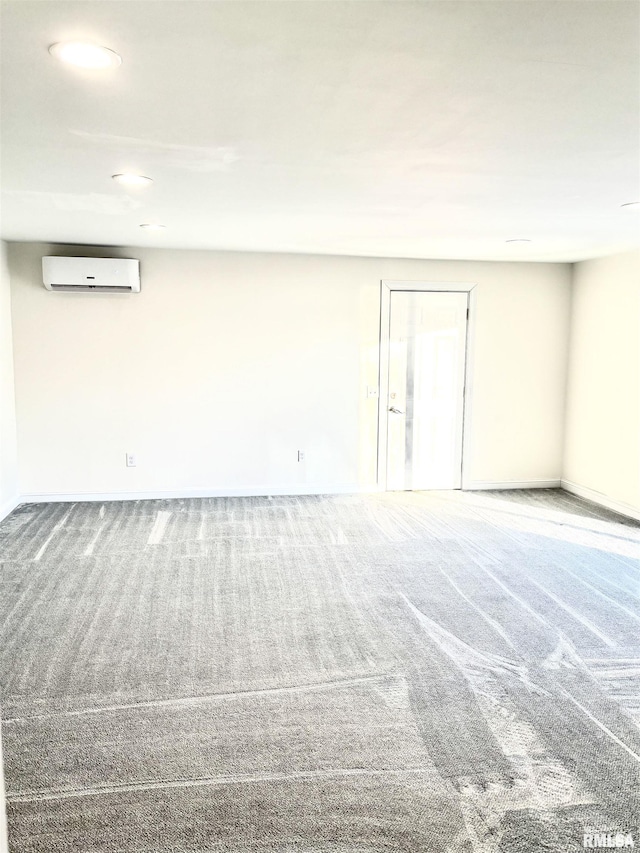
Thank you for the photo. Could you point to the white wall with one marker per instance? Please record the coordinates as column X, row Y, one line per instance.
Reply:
column 602, row 451
column 8, row 448
column 227, row 363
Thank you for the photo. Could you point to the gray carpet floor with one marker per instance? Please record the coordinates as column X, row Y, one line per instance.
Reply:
column 454, row 672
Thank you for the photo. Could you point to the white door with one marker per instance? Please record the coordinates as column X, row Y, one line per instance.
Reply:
column 427, row 342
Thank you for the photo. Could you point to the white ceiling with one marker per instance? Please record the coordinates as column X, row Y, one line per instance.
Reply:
column 408, row 129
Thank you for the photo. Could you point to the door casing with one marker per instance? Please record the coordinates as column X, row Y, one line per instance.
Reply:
column 386, row 288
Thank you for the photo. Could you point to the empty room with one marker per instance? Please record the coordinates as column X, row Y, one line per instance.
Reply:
column 319, row 426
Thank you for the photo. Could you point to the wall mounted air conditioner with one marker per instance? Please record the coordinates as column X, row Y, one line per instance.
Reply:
column 95, row 275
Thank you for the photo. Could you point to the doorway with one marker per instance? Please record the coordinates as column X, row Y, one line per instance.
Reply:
column 424, row 347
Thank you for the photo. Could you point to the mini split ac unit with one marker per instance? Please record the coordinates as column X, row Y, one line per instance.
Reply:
column 95, row 275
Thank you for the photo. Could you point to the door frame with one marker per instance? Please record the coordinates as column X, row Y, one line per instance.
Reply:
column 387, row 287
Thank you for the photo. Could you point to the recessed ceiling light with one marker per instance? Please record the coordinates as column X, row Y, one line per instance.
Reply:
column 631, row 205
column 519, row 240
column 152, row 226
column 131, row 180
column 85, row 55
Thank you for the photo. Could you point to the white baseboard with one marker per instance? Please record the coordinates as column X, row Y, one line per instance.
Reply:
column 601, row 499
column 249, row 491
column 8, row 506
column 264, row 491
column 510, row 484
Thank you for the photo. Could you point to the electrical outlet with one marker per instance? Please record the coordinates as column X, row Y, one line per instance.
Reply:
column 372, row 391
column 131, row 460
column 301, row 456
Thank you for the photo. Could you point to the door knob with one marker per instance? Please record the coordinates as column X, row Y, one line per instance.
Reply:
column 395, row 411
